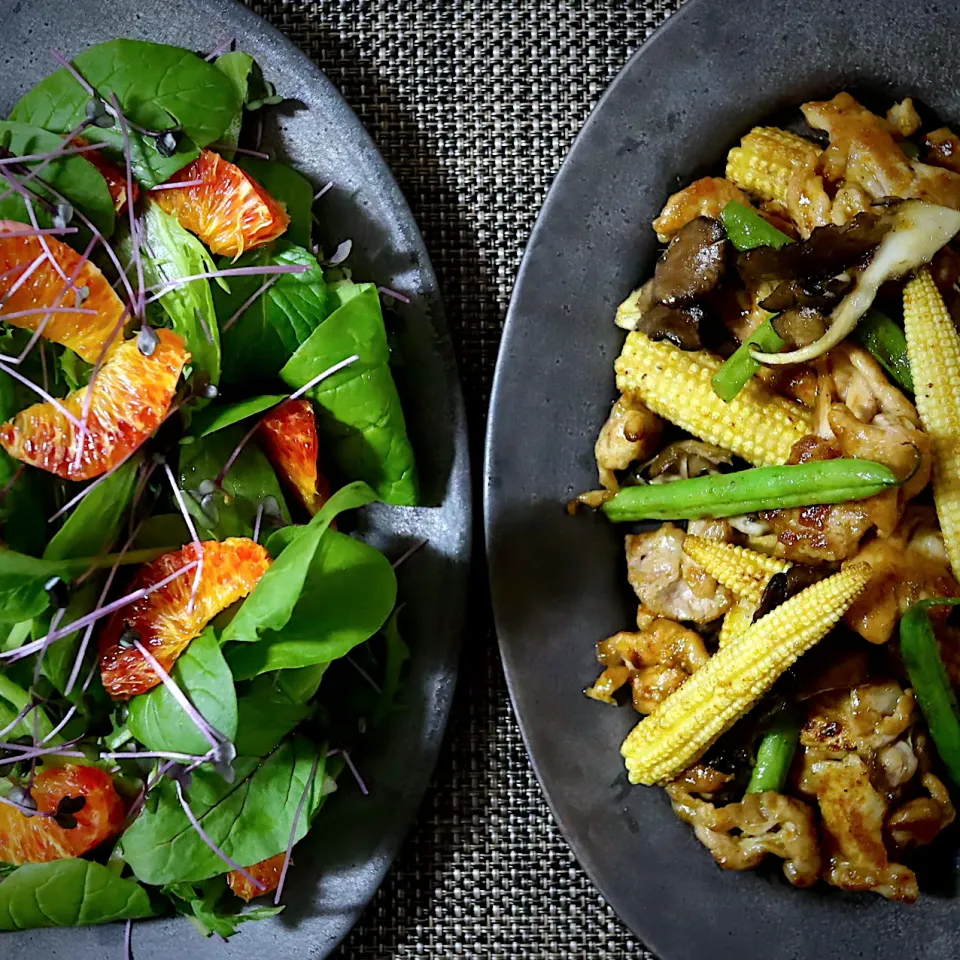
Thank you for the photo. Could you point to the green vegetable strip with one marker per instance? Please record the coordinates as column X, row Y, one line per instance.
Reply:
column 886, row 341
column 747, row 491
column 747, row 229
column 775, row 754
column 928, row 676
column 732, row 377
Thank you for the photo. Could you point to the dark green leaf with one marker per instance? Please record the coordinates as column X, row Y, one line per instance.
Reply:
column 212, row 908
column 237, row 66
column 292, row 189
column 165, row 530
column 68, row 893
column 250, row 819
column 349, row 592
column 397, row 654
column 358, row 409
column 266, row 717
column 266, row 335
column 215, row 418
column 13, row 699
column 59, row 659
column 73, row 176
column 23, row 595
column 274, row 598
column 157, row 86
column 94, row 525
column 160, row 723
column 232, row 511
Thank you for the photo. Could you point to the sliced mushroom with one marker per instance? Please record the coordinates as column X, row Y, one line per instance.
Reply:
column 800, row 326
column 679, row 325
column 807, row 293
column 693, row 264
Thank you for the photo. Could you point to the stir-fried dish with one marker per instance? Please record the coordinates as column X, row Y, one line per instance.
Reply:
column 789, row 419
column 192, row 393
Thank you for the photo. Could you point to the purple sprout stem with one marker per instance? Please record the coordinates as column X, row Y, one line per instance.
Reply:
column 22, row 715
column 293, row 830
column 188, row 520
column 153, row 754
column 363, row 673
column 31, row 269
column 259, row 154
column 159, row 289
column 72, row 70
column 329, row 372
column 326, row 188
column 237, row 450
column 134, row 233
column 54, row 623
column 245, row 306
column 56, row 404
column 256, row 523
column 205, row 837
column 220, row 48
column 26, row 811
column 210, row 733
column 407, row 554
column 73, row 708
column 40, row 752
column 37, row 157
column 17, row 314
column 176, row 185
column 128, row 941
column 356, row 773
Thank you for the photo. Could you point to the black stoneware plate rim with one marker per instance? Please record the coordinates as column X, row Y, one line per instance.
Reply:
column 355, row 839
column 712, row 71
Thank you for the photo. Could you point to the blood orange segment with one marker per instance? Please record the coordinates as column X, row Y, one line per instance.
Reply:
column 131, row 396
column 266, row 871
column 115, row 177
column 164, row 622
column 42, row 287
column 40, row 839
column 229, row 211
column 289, row 436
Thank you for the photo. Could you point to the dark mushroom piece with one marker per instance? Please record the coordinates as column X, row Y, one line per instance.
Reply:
column 681, row 326
column 807, row 293
column 799, row 326
column 693, row 264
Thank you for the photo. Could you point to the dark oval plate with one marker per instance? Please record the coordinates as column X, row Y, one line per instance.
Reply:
column 355, row 839
column 715, row 69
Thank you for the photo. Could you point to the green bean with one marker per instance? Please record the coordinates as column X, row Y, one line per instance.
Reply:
column 886, row 341
column 733, row 376
column 747, row 491
column 746, row 229
column 928, row 676
column 775, row 753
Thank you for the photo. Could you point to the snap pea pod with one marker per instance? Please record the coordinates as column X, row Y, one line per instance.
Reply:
column 747, row 491
column 928, row 676
column 775, row 753
column 886, row 341
column 747, row 229
column 732, row 377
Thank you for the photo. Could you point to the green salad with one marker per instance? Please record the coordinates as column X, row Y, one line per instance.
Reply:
column 193, row 396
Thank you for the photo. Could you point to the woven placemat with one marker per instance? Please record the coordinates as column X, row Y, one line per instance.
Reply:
column 474, row 104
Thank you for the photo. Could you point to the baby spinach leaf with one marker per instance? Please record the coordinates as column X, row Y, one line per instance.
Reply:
column 73, row 176
column 237, row 66
column 219, row 417
column 157, row 86
column 295, row 686
column 292, row 189
column 250, row 819
column 165, row 530
column 68, row 893
column 358, row 408
column 13, row 699
column 160, row 723
column 23, row 579
column 267, row 333
column 265, row 719
column 60, row 656
column 232, row 511
column 171, row 253
column 212, row 909
column 274, row 598
column 95, row 523
column 348, row 593
column 397, row 654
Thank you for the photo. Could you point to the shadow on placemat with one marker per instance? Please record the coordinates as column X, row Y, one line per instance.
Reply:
column 474, row 105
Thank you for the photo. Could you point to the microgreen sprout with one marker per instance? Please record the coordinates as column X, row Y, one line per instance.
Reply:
column 329, row 372
column 343, row 251
column 256, row 522
column 220, row 48
column 407, row 554
column 363, row 673
column 176, row 185
column 356, row 773
column 97, row 114
column 245, row 306
column 159, row 289
column 323, row 190
column 67, row 809
column 393, row 294
column 293, row 830
column 188, row 520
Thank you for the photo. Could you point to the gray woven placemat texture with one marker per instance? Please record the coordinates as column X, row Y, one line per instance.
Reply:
column 474, row 104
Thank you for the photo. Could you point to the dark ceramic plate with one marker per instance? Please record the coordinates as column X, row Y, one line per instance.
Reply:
column 346, row 856
column 715, row 69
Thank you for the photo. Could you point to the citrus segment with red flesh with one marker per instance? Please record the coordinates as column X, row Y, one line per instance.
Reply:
column 85, row 333
column 266, row 871
column 289, row 437
column 115, row 177
column 40, row 839
column 228, row 210
column 131, row 396
column 163, row 620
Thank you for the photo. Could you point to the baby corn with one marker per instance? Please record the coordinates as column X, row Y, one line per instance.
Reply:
column 684, row 725
column 758, row 424
column 765, row 161
column 933, row 348
column 745, row 573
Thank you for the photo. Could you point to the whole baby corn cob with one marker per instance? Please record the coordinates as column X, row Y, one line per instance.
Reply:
column 758, row 424
column 684, row 725
column 745, row 573
column 933, row 348
column 766, row 159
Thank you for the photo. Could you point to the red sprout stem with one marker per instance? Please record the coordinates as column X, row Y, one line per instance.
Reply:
column 245, row 306
column 205, row 837
column 293, row 829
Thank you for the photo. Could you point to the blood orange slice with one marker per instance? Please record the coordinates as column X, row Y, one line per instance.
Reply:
column 266, row 871
column 39, row 839
column 115, row 177
column 228, row 210
column 26, row 284
column 131, row 396
column 289, row 436
column 163, row 621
